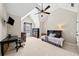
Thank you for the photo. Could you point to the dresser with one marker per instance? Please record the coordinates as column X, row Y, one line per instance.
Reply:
column 35, row 32
column 23, row 36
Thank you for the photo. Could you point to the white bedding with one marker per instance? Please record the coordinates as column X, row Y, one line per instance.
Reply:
column 58, row 41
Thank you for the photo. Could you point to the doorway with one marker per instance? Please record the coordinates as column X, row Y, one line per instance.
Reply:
column 28, row 29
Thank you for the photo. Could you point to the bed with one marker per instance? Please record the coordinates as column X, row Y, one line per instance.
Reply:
column 54, row 37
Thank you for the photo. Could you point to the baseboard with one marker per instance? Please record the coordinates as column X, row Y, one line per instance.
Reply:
column 78, row 48
column 69, row 43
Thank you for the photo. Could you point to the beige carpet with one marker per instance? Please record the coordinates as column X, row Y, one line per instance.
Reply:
column 36, row 47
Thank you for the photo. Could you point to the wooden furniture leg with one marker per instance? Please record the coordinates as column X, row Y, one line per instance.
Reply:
column 2, row 49
column 16, row 46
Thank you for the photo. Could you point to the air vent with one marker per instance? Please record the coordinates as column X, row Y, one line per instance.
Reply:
column 72, row 4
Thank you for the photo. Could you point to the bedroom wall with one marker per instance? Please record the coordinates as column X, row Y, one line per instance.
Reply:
column 28, row 20
column 65, row 17
column 16, row 28
column 3, row 25
column 35, row 18
column 77, row 36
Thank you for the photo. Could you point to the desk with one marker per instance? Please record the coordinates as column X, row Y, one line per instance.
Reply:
column 7, row 41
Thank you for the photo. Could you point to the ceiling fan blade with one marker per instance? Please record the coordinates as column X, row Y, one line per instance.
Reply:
column 38, row 13
column 47, row 7
column 46, row 12
column 38, row 8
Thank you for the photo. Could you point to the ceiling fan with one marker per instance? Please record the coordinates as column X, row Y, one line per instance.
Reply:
column 43, row 10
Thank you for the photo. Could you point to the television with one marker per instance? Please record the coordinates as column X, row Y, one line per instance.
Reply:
column 10, row 20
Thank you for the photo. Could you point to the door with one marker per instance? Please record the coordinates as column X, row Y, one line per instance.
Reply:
column 28, row 29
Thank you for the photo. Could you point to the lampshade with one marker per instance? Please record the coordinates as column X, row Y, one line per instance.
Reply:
column 60, row 26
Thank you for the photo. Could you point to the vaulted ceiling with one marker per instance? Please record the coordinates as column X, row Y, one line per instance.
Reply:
column 24, row 9
column 21, row 9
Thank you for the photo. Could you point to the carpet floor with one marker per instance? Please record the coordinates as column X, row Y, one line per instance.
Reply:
column 36, row 47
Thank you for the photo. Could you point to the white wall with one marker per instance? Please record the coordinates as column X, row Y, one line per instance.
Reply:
column 66, row 17
column 35, row 17
column 31, row 18
column 77, row 36
column 28, row 20
column 3, row 26
column 16, row 28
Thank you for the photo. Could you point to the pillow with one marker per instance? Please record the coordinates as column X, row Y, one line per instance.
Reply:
column 52, row 35
column 58, row 35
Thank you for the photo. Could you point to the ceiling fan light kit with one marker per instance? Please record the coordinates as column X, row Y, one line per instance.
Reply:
column 41, row 15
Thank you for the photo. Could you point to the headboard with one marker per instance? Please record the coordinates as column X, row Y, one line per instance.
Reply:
column 57, row 32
